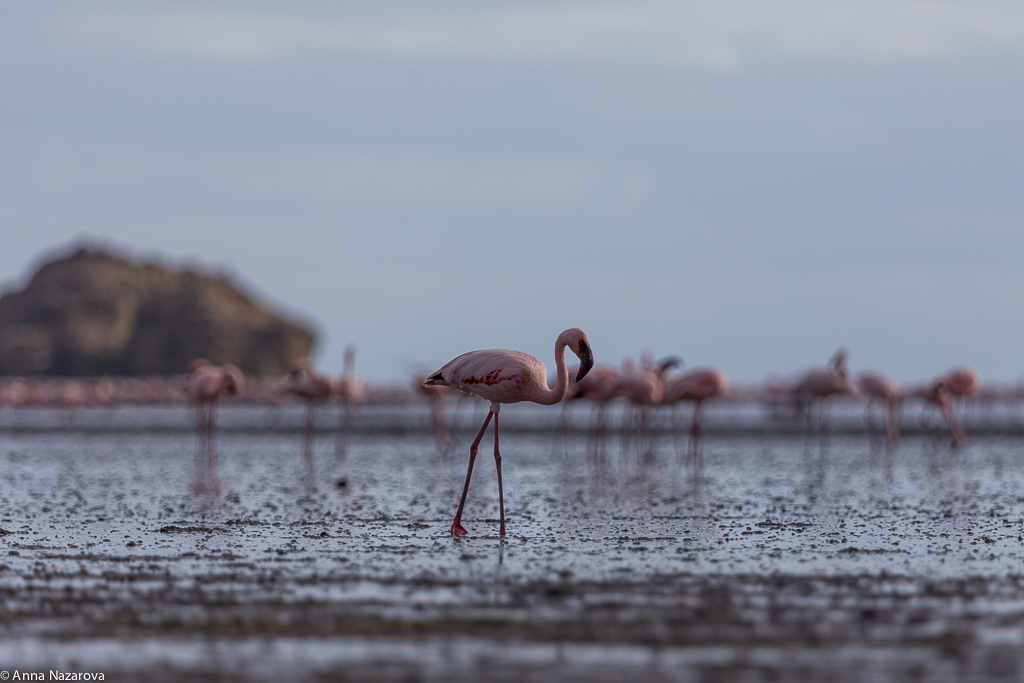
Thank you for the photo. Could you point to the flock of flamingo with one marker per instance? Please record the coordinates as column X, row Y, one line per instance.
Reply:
column 500, row 376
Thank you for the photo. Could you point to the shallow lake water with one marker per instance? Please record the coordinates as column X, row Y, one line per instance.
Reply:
column 780, row 557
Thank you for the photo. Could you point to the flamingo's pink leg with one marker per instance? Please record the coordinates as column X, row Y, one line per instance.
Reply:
column 344, row 417
column 307, row 441
column 954, row 425
column 200, row 447
column 213, row 440
column 457, row 528
column 892, row 420
column 695, row 432
column 199, row 437
column 497, row 463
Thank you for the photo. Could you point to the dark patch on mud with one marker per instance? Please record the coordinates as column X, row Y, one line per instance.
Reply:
column 869, row 551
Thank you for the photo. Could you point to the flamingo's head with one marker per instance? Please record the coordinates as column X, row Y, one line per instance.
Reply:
column 576, row 340
column 838, row 359
column 671, row 362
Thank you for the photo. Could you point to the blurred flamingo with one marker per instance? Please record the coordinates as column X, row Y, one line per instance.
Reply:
column 820, row 384
column 960, row 383
column 963, row 384
column 879, row 388
column 437, row 396
column 501, row 376
column 643, row 389
column 350, row 390
column 937, row 394
column 314, row 388
column 206, row 384
column 597, row 388
column 697, row 387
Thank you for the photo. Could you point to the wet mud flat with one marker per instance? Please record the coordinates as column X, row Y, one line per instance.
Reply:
column 782, row 558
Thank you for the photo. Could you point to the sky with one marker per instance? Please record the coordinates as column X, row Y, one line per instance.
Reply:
column 743, row 184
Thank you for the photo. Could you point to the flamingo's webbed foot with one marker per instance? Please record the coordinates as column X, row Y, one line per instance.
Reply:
column 457, row 528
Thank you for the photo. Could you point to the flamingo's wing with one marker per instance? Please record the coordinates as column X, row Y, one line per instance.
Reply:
column 493, row 374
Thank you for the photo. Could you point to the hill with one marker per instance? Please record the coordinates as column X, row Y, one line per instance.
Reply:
column 97, row 313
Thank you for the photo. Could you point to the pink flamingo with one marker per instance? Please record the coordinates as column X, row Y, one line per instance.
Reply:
column 595, row 386
column 643, row 389
column 598, row 389
column 959, row 382
column 350, row 390
column 587, row 387
column 697, row 386
column 312, row 387
column 640, row 387
column 962, row 382
column 207, row 384
column 501, row 377
column 819, row 384
column 438, row 398
column 938, row 395
column 879, row 388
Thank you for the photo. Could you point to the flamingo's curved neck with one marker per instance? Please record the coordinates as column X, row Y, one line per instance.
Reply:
column 557, row 393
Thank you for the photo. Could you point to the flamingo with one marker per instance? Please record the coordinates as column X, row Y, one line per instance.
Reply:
column 821, row 383
column 350, row 390
column 207, row 384
column 501, row 376
column 878, row 387
column 438, row 397
column 597, row 388
column 643, row 389
column 962, row 382
column 696, row 386
column 314, row 388
column 938, row 394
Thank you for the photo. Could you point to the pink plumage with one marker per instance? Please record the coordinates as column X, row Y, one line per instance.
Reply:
column 820, row 383
column 501, row 376
column 962, row 382
column 697, row 385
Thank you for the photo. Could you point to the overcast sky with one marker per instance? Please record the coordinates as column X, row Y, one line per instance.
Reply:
column 745, row 184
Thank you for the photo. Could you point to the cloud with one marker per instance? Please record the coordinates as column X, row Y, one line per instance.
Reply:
column 696, row 35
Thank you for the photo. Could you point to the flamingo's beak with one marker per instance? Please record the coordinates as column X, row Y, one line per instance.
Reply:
column 586, row 360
